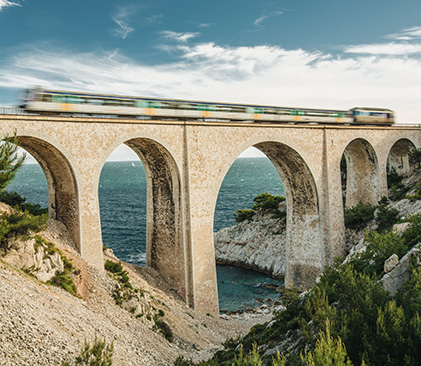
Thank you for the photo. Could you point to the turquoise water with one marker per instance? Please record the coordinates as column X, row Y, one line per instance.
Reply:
column 122, row 195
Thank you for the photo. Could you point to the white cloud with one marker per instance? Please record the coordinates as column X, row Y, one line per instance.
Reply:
column 407, row 34
column 180, row 37
column 260, row 20
column 7, row 3
column 386, row 49
column 121, row 18
column 267, row 75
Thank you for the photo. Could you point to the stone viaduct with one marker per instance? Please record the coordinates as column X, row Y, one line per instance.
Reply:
column 185, row 164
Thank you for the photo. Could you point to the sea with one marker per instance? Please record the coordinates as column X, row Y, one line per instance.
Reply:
column 122, row 201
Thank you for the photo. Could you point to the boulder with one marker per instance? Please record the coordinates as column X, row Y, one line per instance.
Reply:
column 394, row 280
column 390, row 263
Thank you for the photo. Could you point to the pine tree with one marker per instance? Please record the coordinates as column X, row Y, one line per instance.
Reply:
column 10, row 161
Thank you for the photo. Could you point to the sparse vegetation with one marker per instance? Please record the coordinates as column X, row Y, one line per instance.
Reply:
column 124, row 293
column 61, row 279
column 98, row 354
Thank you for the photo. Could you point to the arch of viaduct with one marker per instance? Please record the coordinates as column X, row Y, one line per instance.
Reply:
column 185, row 164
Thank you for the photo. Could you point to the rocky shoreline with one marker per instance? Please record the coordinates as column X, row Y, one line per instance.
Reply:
column 257, row 243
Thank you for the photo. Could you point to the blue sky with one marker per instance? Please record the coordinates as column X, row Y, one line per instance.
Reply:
column 324, row 54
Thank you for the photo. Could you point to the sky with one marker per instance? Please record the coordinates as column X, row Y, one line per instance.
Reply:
column 296, row 53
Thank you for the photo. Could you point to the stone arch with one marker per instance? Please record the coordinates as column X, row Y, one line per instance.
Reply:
column 165, row 249
column 304, row 250
column 398, row 158
column 63, row 191
column 362, row 180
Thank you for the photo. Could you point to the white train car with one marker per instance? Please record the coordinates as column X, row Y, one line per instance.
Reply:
column 51, row 101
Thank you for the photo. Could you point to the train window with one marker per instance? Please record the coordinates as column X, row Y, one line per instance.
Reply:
column 297, row 113
column 142, row 104
column 188, row 106
column 259, row 111
column 205, row 107
column 73, row 100
column 155, row 104
column 109, row 102
column 127, row 103
column 223, row 108
column 94, row 101
column 166, row 105
column 55, row 98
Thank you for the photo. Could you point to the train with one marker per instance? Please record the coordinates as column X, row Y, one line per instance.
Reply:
column 101, row 105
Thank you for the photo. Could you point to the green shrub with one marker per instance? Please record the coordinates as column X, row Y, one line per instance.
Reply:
column 359, row 215
column 396, row 188
column 415, row 158
column 386, row 218
column 379, row 248
column 62, row 279
column 113, row 267
column 18, row 202
column 412, row 235
column 266, row 201
column 99, row 354
column 19, row 224
column 263, row 202
column 242, row 215
column 328, row 351
column 164, row 329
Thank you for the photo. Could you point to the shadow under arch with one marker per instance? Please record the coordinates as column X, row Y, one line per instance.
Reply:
column 362, row 173
column 399, row 157
column 165, row 251
column 304, row 248
column 63, row 196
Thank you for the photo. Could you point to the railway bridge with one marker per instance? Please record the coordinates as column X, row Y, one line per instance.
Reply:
column 185, row 164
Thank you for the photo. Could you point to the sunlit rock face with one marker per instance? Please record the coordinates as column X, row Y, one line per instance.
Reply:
column 258, row 243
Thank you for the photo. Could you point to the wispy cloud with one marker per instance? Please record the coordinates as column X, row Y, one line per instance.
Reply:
column 179, row 37
column 7, row 3
column 261, row 74
column 264, row 17
column 121, row 18
column 407, row 34
column 154, row 18
column 394, row 49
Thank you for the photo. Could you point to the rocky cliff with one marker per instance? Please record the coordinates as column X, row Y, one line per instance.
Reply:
column 257, row 243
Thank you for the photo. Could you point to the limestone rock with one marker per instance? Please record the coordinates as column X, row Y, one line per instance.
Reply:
column 395, row 279
column 390, row 263
column 257, row 244
column 400, row 228
column 22, row 254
